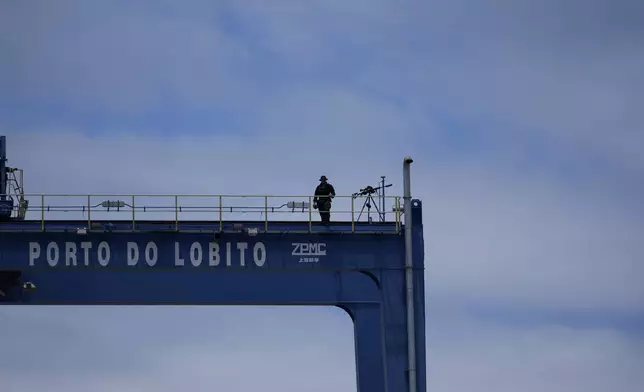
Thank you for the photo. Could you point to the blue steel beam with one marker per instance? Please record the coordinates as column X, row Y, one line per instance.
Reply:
column 360, row 273
column 266, row 252
column 198, row 287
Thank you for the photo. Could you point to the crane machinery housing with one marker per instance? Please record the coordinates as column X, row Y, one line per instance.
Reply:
column 13, row 205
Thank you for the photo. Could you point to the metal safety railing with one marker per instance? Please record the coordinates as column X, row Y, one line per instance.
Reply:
column 347, row 211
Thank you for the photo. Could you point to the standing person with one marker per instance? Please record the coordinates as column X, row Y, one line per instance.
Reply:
column 324, row 193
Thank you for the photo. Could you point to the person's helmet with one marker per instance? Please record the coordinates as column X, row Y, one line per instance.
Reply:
column 323, row 178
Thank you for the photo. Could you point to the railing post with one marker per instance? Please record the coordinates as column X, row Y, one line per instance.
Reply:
column 353, row 222
column 397, row 204
column 310, row 214
column 221, row 212
column 176, row 213
column 42, row 212
column 133, row 213
column 89, row 212
column 266, row 214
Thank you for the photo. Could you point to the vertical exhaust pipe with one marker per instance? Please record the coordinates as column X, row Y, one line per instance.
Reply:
column 409, row 276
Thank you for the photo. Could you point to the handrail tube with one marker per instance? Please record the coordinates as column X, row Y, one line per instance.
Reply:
column 409, row 277
column 183, row 195
column 180, row 208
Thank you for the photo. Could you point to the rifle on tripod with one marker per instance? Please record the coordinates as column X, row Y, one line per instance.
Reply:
column 369, row 191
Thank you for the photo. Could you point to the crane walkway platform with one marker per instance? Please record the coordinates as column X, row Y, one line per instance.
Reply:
column 199, row 227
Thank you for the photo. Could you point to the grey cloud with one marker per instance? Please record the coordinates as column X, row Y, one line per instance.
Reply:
column 566, row 72
column 42, row 344
column 563, row 72
column 525, row 241
column 464, row 353
column 471, row 355
column 117, row 57
column 104, row 347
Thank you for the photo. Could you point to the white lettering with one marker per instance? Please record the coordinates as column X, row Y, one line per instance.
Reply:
column 34, row 253
column 104, row 254
column 259, row 254
column 132, row 253
column 309, row 249
column 309, row 260
column 213, row 254
column 242, row 246
column 178, row 261
column 321, row 251
column 196, row 254
column 151, row 253
column 70, row 254
column 52, row 254
column 82, row 253
column 86, row 246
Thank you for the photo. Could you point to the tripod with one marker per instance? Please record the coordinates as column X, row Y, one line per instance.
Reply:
column 367, row 203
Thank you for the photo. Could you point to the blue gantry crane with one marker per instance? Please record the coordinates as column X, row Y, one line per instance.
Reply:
column 372, row 270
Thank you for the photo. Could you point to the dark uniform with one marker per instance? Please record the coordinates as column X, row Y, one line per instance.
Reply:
column 324, row 193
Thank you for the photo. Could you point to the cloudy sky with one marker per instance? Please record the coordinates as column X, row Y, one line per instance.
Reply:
column 524, row 118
